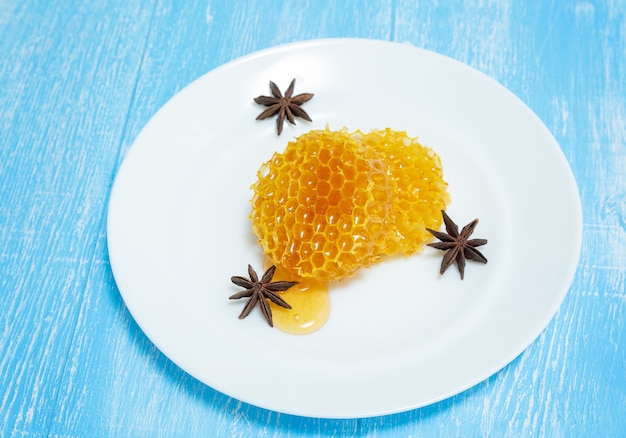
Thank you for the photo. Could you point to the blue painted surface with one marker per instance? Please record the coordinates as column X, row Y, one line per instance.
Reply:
column 78, row 82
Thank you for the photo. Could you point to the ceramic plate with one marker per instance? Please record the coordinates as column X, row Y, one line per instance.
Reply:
column 400, row 336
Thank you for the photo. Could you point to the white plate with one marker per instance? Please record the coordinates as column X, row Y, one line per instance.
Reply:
column 400, row 336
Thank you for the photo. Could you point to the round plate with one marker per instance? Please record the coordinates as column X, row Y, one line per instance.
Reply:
column 400, row 335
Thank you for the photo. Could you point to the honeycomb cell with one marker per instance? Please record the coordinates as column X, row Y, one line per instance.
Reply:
column 324, row 173
column 289, row 221
column 319, row 223
column 360, row 198
column 331, row 232
column 345, row 226
column 269, row 209
column 334, row 197
column 294, row 173
column 348, row 189
column 323, row 189
column 324, row 155
column 337, row 180
column 335, row 165
column 346, row 204
column 333, row 215
column 318, row 260
column 331, row 250
column 345, row 243
column 317, row 242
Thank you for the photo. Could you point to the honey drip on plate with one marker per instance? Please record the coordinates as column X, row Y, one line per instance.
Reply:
column 310, row 306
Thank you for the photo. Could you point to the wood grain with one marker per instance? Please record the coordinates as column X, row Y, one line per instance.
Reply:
column 79, row 81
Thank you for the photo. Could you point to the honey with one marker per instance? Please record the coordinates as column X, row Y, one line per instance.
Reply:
column 310, row 309
column 310, row 306
column 333, row 201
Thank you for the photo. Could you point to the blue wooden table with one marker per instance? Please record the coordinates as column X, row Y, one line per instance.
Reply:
column 79, row 81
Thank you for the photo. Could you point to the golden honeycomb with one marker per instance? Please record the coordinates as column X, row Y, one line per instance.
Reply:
column 333, row 201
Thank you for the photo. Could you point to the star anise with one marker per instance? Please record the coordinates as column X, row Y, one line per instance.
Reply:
column 457, row 245
column 285, row 106
column 260, row 291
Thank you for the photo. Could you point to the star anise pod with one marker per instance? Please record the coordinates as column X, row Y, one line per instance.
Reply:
column 285, row 106
column 457, row 245
column 259, row 291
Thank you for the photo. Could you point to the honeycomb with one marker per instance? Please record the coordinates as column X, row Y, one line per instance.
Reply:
column 333, row 201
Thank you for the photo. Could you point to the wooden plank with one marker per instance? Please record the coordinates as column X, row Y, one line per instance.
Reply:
column 67, row 86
